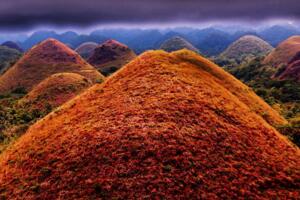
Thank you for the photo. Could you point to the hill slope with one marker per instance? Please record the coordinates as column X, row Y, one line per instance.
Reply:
column 292, row 70
column 161, row 127
column 8, row 57
column 110, row 56
column 244, row 93
column 177, row 43
column 54, row 91
column 43, row 60
column 86, row 49
column 284, row 52
column 12, row 45
column 245, row 46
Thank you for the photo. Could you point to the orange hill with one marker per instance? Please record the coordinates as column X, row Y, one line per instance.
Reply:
column 284, row 52
column 47, row 58
column 161, row 127
column 111, row 56
column 243, row 92
column 54, row 91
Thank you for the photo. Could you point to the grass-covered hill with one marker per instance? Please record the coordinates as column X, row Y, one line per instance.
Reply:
column 284, row 52
column 43, row 60
column 246, row 48
column 110, row 56
column 164, row 126
column 177, row 43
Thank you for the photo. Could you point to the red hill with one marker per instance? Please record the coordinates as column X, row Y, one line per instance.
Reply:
column 110, row 56
column 55, row 91
column 43, row 60
column 292, row 71
column 284, row 52
column 161, row 127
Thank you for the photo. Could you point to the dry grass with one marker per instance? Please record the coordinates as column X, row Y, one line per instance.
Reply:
column 236, row 87
column 164, row 126
column 111, row 54
column 55, row 91
column 47, row 58
column 247, row 46
column 284, row 52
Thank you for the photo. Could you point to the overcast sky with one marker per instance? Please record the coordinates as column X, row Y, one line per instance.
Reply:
column 22, row 14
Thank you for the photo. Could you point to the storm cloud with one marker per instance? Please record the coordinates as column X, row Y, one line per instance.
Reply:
column 27, row 13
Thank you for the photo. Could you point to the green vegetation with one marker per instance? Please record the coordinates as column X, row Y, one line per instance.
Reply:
column 14, row 119
column 282, row 95
column 8, row 57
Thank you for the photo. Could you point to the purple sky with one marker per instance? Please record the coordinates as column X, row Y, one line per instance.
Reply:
column 27, row 13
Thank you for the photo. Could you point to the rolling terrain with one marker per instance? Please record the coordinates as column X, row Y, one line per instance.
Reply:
column 43, row 60
column 166, row 125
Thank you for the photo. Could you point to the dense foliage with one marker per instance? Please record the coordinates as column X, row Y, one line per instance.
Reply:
column 14, row 119
column 283, row 95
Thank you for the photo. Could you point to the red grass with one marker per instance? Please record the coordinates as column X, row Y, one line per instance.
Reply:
column 55, row 91
column 111, row 54
column 161, row 127
column 43, row 60
column 284, row 52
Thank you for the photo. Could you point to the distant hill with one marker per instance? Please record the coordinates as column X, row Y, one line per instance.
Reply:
column 8, row 57
column 247, row 46
column 177, row 43
column 210, row 41
column 70, row 37
column 139, row 40
column 85, row 50
column 278, row 33
column 111, row 56
column 165, row 125
column 43, row 60
column 292, row 70
column 54, row 91
column 12, row 45
column 284, row 52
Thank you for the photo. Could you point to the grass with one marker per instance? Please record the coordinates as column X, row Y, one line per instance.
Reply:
column 142, row 135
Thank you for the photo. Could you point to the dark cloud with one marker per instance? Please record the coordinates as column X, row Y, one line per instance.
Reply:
column 26, row 13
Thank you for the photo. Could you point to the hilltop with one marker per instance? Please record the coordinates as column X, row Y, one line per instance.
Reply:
column 111, row 56
column 85, row 50
column 177, row 43
column 247, row 46
column 284, row 52
column 164, row 126
column 43, row 60
column 54, row 91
